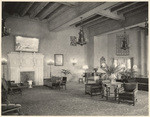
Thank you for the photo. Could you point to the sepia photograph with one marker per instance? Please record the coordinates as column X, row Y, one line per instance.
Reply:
column 74, row 58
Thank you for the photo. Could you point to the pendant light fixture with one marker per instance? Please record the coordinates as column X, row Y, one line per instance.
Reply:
column 5, row 31
column 124, row 43
column 81, row 40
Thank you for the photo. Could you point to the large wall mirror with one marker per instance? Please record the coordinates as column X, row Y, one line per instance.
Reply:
column 123, row 61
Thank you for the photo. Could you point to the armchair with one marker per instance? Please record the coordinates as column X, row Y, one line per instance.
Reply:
column 94, row 88
column 7, row 108
column 11, row 87
column 14, row 88
column 128, row 92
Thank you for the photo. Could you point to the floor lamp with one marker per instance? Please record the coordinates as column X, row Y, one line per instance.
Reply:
column 85, row 67
column 50, row 63
column 4, row 62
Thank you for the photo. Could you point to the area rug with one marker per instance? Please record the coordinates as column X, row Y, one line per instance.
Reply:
column 43, row 100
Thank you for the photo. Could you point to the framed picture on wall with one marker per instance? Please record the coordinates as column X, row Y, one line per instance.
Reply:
column 58, row 59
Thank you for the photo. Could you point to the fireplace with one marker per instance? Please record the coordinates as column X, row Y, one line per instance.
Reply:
column 23, row 66
column 25, row 76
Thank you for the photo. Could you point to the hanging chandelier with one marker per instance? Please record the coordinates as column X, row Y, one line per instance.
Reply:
column 81, row 40
column 5, row 31
column 146, row 23
column 124, row 43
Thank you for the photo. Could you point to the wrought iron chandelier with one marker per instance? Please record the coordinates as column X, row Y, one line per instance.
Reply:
column 5, row 31
column 146, row 23
column 81, row 40
column 124, row 43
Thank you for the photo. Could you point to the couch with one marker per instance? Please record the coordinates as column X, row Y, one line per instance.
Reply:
column 142, row 82
column 52, row 82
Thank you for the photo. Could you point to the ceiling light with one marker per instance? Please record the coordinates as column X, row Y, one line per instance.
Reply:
column 81, row 39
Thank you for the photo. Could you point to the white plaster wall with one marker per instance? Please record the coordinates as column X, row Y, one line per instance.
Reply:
column 133, row 44
column 100, row 49
column 50, row 43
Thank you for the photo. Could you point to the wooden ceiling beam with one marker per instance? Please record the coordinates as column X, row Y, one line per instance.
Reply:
column 70, row 4
column 73, row 18
column 49, row 10
column 131, row 8
column 111, row 15
column 126, row 6
column 38, row 9
column 25, row 10
column 57, row 12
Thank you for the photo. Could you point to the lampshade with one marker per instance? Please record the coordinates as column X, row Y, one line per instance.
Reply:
column 85, row 67
column 50, row 62
column 4, row 61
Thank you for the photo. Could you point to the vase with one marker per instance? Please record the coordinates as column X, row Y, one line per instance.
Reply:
column 112, row 78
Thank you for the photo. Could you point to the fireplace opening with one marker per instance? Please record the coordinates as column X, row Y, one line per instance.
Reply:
column 25, row 76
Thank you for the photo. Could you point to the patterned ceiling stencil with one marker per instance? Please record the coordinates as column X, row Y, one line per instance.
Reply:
column 119, row 42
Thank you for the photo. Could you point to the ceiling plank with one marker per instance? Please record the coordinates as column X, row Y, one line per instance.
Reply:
column 25, row 10
column 38, row 9
column 131, row 8
column 49, row 10
column 90, row 21
column 126, row 6
column 111, row 15
column 70, row 4
column 67, row 21
column 57, row 12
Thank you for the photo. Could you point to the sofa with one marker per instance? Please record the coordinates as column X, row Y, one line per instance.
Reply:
column 142, row 82
column 52, row 82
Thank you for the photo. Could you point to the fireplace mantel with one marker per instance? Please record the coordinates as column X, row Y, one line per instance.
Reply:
column 23, row 61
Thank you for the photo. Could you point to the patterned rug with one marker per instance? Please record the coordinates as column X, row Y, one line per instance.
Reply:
column 73, row 102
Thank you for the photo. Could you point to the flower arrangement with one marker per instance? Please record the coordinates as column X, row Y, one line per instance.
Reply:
column 128, row 73
column 65, row 71
column 111, row 69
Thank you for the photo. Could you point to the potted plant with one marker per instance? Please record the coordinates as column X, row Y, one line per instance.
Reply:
column 111, row 71
column 127, row 74
column 65, row 72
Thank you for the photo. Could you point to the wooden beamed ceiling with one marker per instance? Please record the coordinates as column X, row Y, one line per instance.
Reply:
column 64, row 14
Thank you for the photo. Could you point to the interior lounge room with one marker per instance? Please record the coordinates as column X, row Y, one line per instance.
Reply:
column 74, row 58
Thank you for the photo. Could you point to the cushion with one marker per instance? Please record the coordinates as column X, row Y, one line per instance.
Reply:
column 129, row 87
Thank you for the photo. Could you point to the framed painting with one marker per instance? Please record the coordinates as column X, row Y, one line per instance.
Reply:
column 58, row 59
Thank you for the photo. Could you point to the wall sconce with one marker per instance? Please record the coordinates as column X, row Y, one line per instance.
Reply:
column 4, row 62
column 74, row 61
column 50, row 62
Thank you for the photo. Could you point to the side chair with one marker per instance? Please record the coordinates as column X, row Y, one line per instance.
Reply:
column 63, row 82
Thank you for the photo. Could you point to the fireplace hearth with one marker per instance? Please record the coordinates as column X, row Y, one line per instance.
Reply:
column 25, row 76
column 24, row 66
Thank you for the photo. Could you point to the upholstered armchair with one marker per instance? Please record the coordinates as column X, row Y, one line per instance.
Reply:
column 93, row 88
column 6, row 107
column 128, row 92
column 53, row 82
column 14, row 87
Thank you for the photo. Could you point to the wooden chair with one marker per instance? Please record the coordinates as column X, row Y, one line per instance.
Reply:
column 7, row 108
column 63, row 82
column 128, row 92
